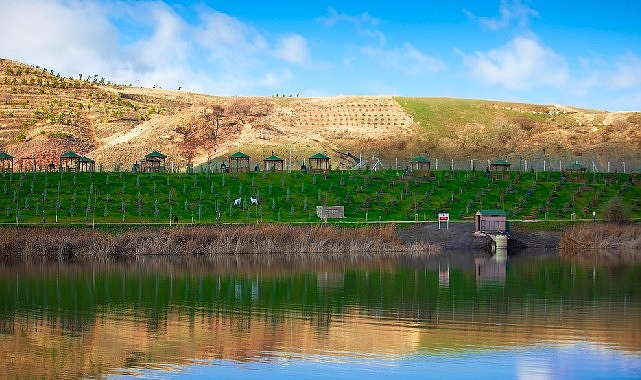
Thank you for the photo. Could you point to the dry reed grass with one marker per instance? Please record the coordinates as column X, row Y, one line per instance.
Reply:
column 315, row 240
column 609, row 239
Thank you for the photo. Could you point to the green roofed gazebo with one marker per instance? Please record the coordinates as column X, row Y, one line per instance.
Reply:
column 319, row 163
column 69, row 162
column 86, row 164
column 576, row 167
column 500, row 166
column 274, row 163
column 420, row 163
column 239, row 162
column 153, row 162
column 6, row 162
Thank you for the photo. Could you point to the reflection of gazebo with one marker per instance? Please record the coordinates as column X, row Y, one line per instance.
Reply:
column 69, row 161
column 420, row 163
column 86, row 164
column 6, row 162
column 319, row 163
column 153, row 162
column 273, row 163
column 239, row 162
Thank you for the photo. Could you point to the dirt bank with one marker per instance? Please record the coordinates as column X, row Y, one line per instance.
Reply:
column 460, row 236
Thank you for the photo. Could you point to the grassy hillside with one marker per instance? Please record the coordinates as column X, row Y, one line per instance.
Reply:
column 115, row 197
column 43, row 115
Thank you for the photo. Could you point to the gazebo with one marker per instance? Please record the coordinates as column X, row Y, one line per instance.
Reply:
column 153, row 162
column 420, row 163
column 28, row 164
column 238, row 162
column 274, row 163
column 6, row 162
column 86, row 164
column 499, row 167
column 319, row 163
column 573, row 170
column 69, row 161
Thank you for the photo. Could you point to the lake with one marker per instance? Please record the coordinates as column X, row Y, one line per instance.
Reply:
column 458, row 315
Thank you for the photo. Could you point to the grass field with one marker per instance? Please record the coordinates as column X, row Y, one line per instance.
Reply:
column 367, row 196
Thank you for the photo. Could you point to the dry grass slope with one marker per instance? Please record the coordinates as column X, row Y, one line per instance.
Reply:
column 43, row 114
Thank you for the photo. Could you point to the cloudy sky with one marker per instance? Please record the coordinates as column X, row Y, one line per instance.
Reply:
column 580, row 53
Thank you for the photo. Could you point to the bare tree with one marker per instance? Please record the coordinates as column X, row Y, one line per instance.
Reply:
column 213, row 116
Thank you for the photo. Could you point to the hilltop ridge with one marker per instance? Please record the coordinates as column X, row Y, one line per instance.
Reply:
column 43, row 114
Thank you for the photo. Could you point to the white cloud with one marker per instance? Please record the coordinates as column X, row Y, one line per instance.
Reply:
column 407, row 59
column 521, row 64
column 509, row 11
column 628, row 72
column 292, row 49
column 362, row 23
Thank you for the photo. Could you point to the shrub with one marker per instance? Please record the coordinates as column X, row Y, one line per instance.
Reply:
column 615, row 212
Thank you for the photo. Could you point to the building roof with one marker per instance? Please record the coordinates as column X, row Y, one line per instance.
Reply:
column 492, row 212
column 155, row 154
column 86, row 159
column 273, row 158
column 319, row 156
column 576, row 166
column 239, row 155
column 420, row 159
column 69, row 154
column 5, row 156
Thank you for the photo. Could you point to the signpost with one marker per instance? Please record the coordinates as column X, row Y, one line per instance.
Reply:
column 444, row 217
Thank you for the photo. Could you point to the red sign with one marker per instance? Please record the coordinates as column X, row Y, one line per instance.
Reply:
column 444, row 216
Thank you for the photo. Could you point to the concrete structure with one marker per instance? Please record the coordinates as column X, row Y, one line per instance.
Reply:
column 330, row 212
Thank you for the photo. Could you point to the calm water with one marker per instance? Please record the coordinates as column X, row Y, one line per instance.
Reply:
column 456, row 316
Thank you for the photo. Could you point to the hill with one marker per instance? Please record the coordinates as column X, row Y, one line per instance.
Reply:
column 43, row 114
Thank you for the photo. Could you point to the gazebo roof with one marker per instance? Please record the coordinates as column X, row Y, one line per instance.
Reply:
column 500, row 163
column 155, row 154
column 86, row 159
column 69, row 154
column 273, row 158
column 420, row 159
column 5, row 156
column 319, row 156
column 239, row 155
column 576, row 166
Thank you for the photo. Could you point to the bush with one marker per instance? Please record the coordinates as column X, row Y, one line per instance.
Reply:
column 615, row 212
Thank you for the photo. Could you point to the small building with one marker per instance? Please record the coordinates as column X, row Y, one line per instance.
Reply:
column 491, row 221
column 421, row 164
column 319, row 163
column 6, row 162
column 153, row 162
column 69, row 162
column 573, row 170
column 238, row 162
column 274, row 163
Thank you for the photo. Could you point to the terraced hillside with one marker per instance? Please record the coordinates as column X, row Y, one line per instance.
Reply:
column 43, row 114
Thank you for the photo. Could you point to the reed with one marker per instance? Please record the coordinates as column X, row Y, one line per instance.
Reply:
column 601, row 237
column 314, row 240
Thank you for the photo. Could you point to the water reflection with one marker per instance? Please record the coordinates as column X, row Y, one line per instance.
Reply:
column 70, row 320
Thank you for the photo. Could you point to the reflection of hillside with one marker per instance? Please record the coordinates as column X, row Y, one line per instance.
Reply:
column 124, row 339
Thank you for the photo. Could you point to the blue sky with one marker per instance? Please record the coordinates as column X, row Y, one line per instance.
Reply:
column 577, row 53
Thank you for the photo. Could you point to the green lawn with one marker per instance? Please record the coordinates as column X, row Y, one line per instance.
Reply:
column 114, row 197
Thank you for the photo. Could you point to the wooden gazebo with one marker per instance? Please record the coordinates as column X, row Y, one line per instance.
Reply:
column 319, row 163
column 573, row 170
column 6, row 162
column 86, row 164
column 420, row 163
column 28, row 164
column 153, row 162
column 274, row 163
column 69, row 162
column 238, row 162
column 499, row 168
